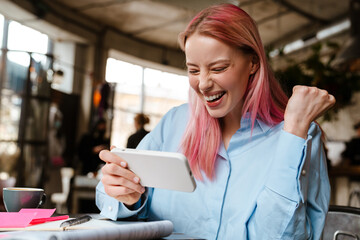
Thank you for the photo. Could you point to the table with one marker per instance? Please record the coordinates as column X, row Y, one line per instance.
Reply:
column 180, row 236
column 109, row 230
column 83, row 188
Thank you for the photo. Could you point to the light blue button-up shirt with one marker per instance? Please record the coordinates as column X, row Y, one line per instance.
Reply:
column 269, row 184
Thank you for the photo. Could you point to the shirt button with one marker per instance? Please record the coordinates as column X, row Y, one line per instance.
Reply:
column 110, row 208
column 303, row 172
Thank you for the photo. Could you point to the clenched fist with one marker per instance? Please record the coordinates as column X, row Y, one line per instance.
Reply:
column 304, row 106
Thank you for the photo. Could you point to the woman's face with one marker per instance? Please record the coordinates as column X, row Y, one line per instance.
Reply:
column 219, row 75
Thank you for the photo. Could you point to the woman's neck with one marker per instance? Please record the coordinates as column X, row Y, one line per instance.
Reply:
column 229, row 126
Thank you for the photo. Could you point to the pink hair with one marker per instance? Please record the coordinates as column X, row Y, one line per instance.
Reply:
column 264, row 99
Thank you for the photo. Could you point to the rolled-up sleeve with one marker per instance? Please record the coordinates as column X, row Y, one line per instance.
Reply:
column 296, row 196
column 112, row 208
column 290, row 158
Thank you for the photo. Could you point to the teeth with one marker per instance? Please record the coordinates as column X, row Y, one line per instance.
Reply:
column 211, row 98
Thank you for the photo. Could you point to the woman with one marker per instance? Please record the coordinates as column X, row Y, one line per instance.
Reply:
column 257, row 157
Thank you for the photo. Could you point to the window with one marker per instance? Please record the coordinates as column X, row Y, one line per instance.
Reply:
column 127, row 98
column 2, row 20
column 127, row 76
column 24, row 83
column 165, row 85
column 140, row 89
column 163, row 91
column 26, row 39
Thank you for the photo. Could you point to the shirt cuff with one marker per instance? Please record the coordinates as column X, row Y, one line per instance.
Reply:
column 286, row 165
column 110, row 208
column 113, row 209
column 125, row 212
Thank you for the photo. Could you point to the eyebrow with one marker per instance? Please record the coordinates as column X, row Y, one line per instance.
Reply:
column 211, row 64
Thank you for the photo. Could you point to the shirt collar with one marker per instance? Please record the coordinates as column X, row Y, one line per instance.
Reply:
column 264, row 127
column 245, row 126
column 246, row 123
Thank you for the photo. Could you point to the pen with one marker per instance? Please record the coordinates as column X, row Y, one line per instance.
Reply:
column 49, row 219
column 75, row 221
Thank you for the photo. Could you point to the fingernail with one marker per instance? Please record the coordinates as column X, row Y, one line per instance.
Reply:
column 136, row 179
column 123, row 164
column 142, row 190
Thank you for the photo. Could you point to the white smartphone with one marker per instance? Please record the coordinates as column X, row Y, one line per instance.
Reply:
column 158, row 169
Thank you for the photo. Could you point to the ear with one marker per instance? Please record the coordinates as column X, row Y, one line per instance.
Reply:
column 255, row 63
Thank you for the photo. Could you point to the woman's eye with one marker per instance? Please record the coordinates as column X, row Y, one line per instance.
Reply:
column 219, row 69
column 193, row 71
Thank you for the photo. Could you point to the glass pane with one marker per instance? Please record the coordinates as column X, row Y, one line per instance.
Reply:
column 1, row 29
column 26, row 39
column 39, row 75
column 127, row 99
column 35, row 159
column 17, row 66
column 165, row 85
column 9, row 115
column 36, row 122
column 127, row 76
column 125, row 108
column 9, row 154
column 163, row 91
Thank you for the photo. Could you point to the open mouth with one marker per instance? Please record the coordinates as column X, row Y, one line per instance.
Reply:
column 215, row 97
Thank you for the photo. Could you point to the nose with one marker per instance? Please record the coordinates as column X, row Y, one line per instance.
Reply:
column 205, row 82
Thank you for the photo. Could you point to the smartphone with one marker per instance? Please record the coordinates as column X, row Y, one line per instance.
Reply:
column 158, row 169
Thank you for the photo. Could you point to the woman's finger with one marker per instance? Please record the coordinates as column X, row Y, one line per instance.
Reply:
column 116, row 170
column 117, row 191
column 109, row 157
column 111, row 180
column 122, row 194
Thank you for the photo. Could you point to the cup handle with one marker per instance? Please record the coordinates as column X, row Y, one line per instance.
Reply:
column 42, row 201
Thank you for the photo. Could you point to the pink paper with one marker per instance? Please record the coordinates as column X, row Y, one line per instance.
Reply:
column 23, row 217
column 15, row 219
column 39, row 212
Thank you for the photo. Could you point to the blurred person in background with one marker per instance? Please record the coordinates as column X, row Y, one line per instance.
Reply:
column 90, row 146
column 140, row 120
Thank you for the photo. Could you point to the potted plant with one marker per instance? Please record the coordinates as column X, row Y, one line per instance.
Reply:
column 320, row 72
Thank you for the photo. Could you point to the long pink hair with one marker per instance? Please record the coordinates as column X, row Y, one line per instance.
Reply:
column 264, row 99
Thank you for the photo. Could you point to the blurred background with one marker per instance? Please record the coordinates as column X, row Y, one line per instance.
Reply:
column 75, row 74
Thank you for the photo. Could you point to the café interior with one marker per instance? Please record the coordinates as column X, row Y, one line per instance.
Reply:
column 66, row 64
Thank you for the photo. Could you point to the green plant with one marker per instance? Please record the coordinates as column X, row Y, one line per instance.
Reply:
column 318, row 71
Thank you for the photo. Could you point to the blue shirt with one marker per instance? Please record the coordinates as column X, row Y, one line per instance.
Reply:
column 269, row 184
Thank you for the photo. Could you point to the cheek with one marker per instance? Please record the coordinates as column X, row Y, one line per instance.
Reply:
column 194, row 83
column 236, row 85
column 229, row 81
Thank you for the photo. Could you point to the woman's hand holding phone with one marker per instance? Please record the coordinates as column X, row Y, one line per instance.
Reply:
column 119, row 182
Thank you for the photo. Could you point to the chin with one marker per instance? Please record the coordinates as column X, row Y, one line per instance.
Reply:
column 215, row 113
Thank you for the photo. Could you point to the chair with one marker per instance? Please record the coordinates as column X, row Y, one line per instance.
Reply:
column 354, row 198
column 60, row 199
column 342, row 223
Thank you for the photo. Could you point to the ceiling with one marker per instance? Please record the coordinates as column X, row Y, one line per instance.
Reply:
column 160, row 21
